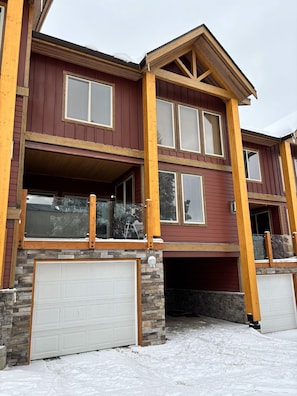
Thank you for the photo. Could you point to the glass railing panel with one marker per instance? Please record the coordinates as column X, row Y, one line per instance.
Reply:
column 282, row 246
column 259, row 247
column 56, row 217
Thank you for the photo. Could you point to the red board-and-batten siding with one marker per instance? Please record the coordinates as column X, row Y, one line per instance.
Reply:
column 220, row 226
column 45, row 113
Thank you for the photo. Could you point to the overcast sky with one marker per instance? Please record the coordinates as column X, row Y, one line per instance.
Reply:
column 259, row 35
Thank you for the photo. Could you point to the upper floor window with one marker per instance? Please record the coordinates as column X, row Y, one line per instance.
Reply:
column 190, row 208
column 88, row 101
column 186, row 120
column 212, row 134
column 2, row 17
column 165, row 122
column 189, row 128
column 252, row 165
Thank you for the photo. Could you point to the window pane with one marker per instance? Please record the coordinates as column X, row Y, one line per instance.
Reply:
column 192, row 199
column 129, row 191
column 77, row 99
column 189, row 128
column 165, row 123
column 101, row 104
column 252, row 165
column 167, row 189
column 212, row 134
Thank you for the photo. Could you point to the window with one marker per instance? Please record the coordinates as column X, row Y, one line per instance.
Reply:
column 2, row 16
column 252, row 165
column 189, row 128
column 88, row 101
column 165, row 123
column 189, row 188
column 167, row 191
column 193, row 207
column 189, row 121
column 212, row 134
column 124, row 192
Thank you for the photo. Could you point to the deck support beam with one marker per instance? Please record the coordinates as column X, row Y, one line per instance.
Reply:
column 8, row 88
column 248, row 267
column 151, row 157
column 290, row 184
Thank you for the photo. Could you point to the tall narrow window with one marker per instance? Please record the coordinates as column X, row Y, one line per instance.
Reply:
column 167, row 190
column 189, row 128
column 165, row 123
column 212, row 134
column 193, row 205
column 88, row 101
column 252, row 165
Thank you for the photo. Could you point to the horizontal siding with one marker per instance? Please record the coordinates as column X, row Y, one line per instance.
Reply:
column 220, row 224
column 45, row 111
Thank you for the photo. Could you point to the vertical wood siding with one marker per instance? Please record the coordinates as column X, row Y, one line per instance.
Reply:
column 46, row 107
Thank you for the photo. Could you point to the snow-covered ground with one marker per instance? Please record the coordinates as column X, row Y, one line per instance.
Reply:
column 202, row 356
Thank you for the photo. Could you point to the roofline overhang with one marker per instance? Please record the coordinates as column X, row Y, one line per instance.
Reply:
column 259, row 138
column 83, row 56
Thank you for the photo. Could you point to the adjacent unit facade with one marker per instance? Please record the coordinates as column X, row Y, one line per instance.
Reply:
column 131, row 192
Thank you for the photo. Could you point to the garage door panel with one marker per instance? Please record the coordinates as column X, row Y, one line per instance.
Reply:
column 277, row 302
column 79, row 312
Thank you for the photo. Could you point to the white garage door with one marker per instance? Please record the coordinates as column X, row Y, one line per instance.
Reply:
column 83, row 306
column 277, row 302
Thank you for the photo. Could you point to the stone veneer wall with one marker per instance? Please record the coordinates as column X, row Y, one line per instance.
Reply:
column 7, row 299
column 17, row 314
column 222, row 305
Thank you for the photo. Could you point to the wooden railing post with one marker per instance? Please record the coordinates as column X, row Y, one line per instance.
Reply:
column 148, row 225
column 268, row 247
column 22, row 224
column 294, row 240
column 92, row 221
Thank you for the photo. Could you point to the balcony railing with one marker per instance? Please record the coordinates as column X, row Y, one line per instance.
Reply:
column 274, row 247
column 80, row 218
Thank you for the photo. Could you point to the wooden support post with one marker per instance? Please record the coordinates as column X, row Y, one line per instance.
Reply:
column 149, row 229
column 151, row 155
column 92, row 221
column 268, row 247
column 8, row 87
column 242, row 213
column 294, row 240
column 290, row 184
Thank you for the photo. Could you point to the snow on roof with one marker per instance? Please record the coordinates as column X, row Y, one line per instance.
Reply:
column 284, row 126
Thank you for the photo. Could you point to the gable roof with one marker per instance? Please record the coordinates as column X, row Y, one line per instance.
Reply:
column 213, row 64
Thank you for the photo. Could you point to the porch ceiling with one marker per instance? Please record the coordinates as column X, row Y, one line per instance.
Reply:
column 73, row 167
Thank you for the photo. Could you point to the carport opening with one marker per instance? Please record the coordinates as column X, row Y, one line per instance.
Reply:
column 204, row 286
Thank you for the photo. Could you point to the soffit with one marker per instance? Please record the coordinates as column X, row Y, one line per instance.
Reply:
column 69, row 166
column 258, row 138
column 210, row 64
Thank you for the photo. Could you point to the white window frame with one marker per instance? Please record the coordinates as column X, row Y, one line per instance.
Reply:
column 180, row 106
column 199, row 178
column 220, row 130
column 245, row 151
column 172, row 123
column 89, row 104
column 2, row 19
column 176, row 199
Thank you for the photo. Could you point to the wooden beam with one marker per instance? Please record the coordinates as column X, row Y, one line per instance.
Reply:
column 290, row 184
column 92, row 221
column 8, row 88
column 193, row 84
column 268, row 247
column 242, row 212
column 151, row 155
column 183, row 68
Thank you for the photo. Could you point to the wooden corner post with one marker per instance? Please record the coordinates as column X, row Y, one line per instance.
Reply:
column 8, row 85
column 290, row 184
column 242, row 213
column 151, row 156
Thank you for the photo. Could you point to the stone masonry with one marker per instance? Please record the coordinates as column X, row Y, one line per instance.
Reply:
column 15, row 315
